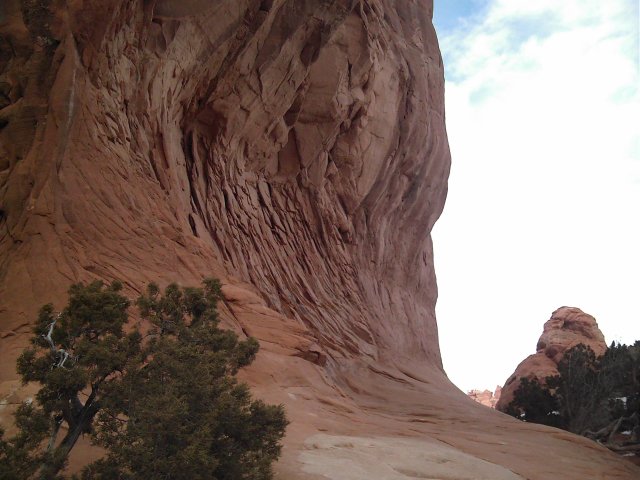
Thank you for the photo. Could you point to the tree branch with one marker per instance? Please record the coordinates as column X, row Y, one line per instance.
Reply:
column 615, row 429
column 60, row 353
column 57, row 422
column 626, row 448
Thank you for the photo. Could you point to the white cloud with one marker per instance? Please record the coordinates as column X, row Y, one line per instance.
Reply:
column 543, row 110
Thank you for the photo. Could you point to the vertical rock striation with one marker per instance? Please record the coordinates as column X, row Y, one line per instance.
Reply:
column 297, row 150
column 298, row 146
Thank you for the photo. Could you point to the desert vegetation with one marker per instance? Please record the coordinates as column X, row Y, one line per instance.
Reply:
column 597, row 397
column 161, row 396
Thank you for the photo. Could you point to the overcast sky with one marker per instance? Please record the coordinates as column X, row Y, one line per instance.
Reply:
column 543, row 118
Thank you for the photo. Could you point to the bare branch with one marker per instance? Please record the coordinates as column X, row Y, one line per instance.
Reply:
column 615, row 429
column 47, row 337
column 625, row 448
column 60, row 353
column 65, row 356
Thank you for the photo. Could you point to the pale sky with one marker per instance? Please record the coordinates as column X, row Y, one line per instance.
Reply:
column 543, row 118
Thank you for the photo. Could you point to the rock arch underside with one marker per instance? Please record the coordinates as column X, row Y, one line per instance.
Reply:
column 295, row 149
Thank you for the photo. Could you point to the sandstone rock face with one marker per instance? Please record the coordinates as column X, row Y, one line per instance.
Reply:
column 486, row 397
column 566, row 328
column 295, row 149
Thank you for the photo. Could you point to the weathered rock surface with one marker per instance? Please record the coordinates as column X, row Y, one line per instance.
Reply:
column 296, row 149
column 486, row 397
column 566, row 328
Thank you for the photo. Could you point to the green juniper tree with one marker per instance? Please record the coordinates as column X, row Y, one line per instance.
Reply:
column 184, row 415
column 164, row 406
column 76, row 356
column 582, row 389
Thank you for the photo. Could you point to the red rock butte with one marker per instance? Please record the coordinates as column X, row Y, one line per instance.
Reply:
column 295, row 149
column 567, row 327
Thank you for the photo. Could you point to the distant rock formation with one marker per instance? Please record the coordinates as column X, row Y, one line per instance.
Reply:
column 566, row 328
column 486, row 397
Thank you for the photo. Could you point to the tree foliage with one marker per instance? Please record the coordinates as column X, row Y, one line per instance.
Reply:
column 593, row 396
column 75, row 356
column 534, row 403
column 164, row 406
column 581, row 388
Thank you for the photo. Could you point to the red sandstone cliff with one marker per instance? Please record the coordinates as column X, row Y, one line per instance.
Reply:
column 566, row 328
column 297, row 150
